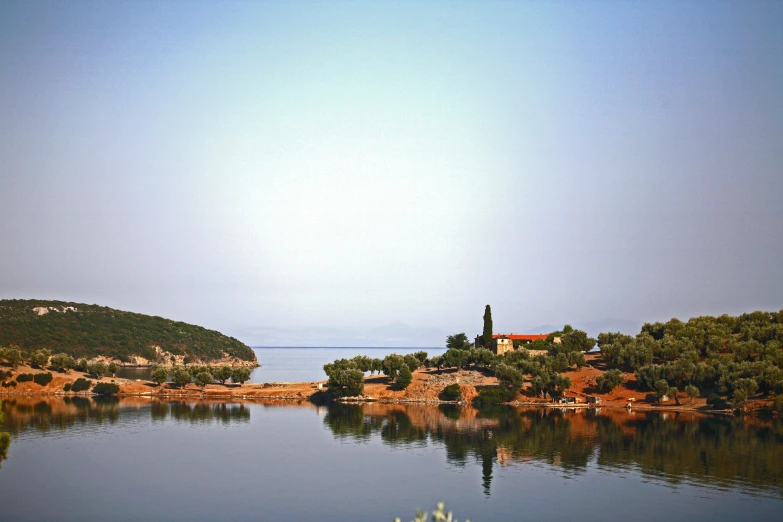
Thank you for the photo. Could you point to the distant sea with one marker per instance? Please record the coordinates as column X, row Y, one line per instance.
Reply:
column 293, row 364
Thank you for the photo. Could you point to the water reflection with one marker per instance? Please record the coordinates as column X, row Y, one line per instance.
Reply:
column 224, row 413
column 58, row 414
column 666, row 448
column 717, row 452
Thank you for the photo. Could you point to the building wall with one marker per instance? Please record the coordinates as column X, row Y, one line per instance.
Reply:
column 501, row 346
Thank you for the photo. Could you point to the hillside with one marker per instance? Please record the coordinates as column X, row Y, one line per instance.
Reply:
column 83, row 330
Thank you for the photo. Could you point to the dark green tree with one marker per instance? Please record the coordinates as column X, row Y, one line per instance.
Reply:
column 404, row 377
column 222, row 374
column 113, row 368
column 392, row 364
column 201, row 379
column 609, row 380
column 487, row 333
column 160, row 375
column 692, row 392
column 412, row 362
column 346, row 382
column 458, row 342
column 240, row 374
column 181, row 376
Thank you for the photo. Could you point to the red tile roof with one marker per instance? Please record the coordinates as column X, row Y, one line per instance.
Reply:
column 522, row 337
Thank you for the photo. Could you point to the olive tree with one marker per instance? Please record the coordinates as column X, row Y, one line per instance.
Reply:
column 203, row 378
column 240, row 374
column 181, row 376
column 98, row 369
column 609, row 380
column 222, row 374
column 692, row 392
column 160, row 375
column 40, row 358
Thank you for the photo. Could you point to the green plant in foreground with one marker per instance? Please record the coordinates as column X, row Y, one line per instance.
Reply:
column 439, row 515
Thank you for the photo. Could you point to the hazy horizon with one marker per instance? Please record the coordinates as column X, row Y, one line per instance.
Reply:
column 374, row 173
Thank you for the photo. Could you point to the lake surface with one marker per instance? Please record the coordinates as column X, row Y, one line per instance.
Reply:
column 145, row 459
column 297, row 364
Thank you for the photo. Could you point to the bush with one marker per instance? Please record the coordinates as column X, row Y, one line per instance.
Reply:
column 451, row 392
column 105, row 388
column 81, row 384
column 42, row 378
column 24, row 377
column 493, row 396
column 67, row 387
column 716, row 401
column 9, row 384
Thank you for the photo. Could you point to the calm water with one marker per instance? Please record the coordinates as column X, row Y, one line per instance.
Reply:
column 297, row 364
column 143, row 459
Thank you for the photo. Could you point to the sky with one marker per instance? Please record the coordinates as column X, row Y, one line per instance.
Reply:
column 375, row 173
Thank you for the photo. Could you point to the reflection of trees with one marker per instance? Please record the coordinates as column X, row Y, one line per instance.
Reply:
column 225, row 413
column 54, row 414
column 5, row 438
column 67, row 412
column 710, row 450
column 719, row 451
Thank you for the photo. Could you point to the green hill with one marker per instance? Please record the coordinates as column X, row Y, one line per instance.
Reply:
column 83, row 330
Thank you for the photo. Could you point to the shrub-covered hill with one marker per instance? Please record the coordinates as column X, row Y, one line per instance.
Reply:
column 83, row 330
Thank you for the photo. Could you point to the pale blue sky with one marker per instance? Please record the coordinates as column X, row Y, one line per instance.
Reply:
column 349, row 173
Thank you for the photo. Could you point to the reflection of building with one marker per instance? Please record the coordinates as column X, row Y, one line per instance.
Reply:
column 502, row 343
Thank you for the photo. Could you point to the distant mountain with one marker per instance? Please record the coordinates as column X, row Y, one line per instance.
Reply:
column 83, row 330
column 593, row 328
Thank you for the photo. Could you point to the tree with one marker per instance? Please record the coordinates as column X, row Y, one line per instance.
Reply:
column 14, row 356
column 609, row 380
column 692, row 392
column 487, row 336
column 404, row 377
column 421, row 356
column 412, row 362
column 113, row 368
column 62, row 362
column 346, row 382
column 392, row 364
column 222, row 374
column 509, row 377
column 203, row 378
column 40, row 358
column 97, row 369
column 159, row 375
column 458, row 342
column 180, row 376
column 661, row 389
column 743, row 389
column 240, row 374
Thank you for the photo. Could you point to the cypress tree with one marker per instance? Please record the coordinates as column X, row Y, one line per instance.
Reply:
column 487, row 336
